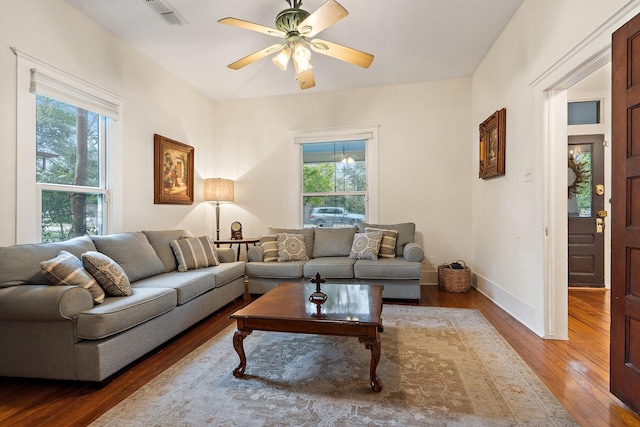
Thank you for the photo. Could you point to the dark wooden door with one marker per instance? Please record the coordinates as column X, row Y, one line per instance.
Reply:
column 586, row 209
column 625, row 215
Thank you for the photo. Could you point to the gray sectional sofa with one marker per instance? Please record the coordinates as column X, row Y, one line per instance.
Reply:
column 328, row 250
column 58, row 332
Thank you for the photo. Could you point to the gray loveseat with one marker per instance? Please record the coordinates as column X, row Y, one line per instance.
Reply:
column 328, row 250
column 58, row 332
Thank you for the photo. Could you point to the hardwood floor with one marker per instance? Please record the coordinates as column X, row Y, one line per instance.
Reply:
column 576, row 371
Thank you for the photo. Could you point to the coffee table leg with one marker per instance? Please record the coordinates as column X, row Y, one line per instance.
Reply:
column 374, row 346
column 238, row 339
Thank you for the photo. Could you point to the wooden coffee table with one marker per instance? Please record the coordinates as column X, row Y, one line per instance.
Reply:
column 350, row 310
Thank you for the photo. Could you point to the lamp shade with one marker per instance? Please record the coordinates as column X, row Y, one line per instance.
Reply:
column 218, row 190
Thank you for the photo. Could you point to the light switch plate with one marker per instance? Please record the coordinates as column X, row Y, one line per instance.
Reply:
column 528, row 175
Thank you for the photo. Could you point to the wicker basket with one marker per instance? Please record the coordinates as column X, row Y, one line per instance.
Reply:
column 454, row 279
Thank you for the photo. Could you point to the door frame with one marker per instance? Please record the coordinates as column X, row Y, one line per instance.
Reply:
column 550, row 107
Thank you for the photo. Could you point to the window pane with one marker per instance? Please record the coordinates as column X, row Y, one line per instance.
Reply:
column 67, row 141
column 584, row 113
column 334, row 211
column 334, row 166
column 579, row 180
column 59, row 208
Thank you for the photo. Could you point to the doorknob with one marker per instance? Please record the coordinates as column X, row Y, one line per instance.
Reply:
column 603, row 214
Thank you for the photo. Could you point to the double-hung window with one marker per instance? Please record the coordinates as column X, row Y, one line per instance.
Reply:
column 337, row 182
column 70, row 170
column 334, row 183
column 66, row 141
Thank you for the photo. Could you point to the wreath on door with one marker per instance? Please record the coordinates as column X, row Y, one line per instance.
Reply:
column 578, row 175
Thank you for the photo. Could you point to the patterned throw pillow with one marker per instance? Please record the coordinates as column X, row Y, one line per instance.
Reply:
column 108, row 273
column 194, row 252
column 291, row 247
column 269, row 246
column 388, row 243
column 67, row 269
column 366, row 245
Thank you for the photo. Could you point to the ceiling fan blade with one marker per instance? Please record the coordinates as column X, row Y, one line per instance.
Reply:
column 235, row 22
column 325, row 16
column 255, row 56
column 306, row 79
column 343, row 53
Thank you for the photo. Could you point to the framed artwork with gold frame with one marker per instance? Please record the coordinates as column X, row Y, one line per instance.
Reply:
column 173, row 172
column 492, row 145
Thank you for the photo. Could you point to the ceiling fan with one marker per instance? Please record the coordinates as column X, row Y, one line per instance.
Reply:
column 296, row 25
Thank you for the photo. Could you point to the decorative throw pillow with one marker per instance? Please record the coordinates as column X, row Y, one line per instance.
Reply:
column 108, row 273
column 269, row 246
column 388, row 243
column 194, row 252
column 291, row 247
column 366, row 245
column 67, row 269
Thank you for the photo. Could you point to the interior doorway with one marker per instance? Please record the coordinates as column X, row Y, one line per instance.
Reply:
column 589, row 195
column 586, row 210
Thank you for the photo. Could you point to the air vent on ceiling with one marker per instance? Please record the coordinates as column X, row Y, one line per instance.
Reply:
column 166, row 11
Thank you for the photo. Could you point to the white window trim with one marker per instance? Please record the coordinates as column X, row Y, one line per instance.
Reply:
column 34, row 74
column 298, row 137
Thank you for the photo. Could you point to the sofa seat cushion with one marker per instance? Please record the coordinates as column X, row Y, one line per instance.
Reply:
column 225, row 273
column 330, row 267
column 387, row 268
column 118, row 314
column 275, row 270
column 188, row 285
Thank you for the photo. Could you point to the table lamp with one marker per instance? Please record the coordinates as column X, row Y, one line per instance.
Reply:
column 218, row 190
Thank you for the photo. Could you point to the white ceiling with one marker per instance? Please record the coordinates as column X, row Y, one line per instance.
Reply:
column 412, row 41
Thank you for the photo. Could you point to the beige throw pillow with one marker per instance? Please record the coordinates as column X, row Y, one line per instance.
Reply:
column 108, row 273
column 291, row 247
column 366, row 245
column 388, row 243
column 194, row 252
column 67, row 269
column 269, row 246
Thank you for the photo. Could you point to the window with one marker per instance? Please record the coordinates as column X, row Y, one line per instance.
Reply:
column 584, row 113
column 66, row 128
column 334, row 183
column 70, row 160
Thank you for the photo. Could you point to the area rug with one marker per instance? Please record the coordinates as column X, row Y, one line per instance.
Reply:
column 439, row 367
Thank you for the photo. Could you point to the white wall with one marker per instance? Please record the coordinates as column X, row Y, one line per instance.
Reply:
column 156, row 102
column 508, row 235
column 423, row 157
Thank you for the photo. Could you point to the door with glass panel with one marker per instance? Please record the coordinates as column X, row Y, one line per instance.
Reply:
column 585, row 206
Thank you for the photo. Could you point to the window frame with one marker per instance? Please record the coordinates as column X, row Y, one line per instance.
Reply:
column 367, row 133
column 35, row 76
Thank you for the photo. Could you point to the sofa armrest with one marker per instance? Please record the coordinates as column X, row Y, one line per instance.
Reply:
column 43, row 303
column 226, row 254
column 413, row 252
column 255, row 254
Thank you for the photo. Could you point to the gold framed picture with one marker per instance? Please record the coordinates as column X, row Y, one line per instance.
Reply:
column 492, row 145
column 173, row 172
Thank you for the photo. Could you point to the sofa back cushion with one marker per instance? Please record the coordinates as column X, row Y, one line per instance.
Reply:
column 333, row 241
column 161, row 242
column 406, row 233
column 20, row 264
column 308, row 234
column 132, row 252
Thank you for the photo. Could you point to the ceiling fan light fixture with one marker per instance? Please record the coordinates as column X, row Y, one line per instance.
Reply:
column 301, row 57
column 282, row 59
